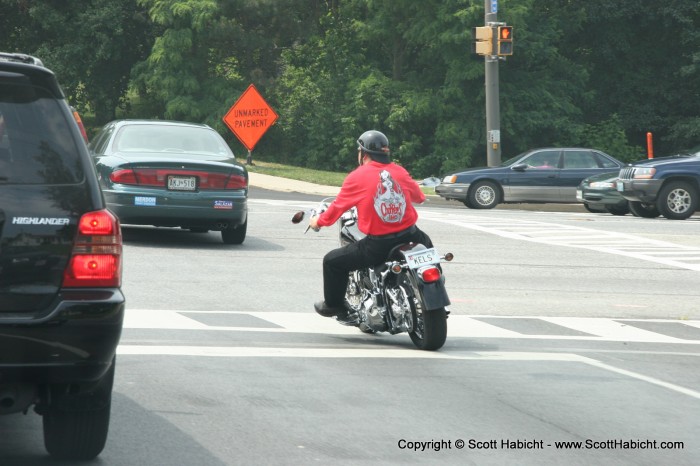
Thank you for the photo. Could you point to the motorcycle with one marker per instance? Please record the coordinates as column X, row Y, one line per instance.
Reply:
column 405, row 293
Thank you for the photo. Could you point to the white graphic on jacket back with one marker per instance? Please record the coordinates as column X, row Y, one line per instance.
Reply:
column 389, row 202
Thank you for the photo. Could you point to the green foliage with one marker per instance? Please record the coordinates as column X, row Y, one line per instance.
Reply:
column 609, row 136
column 582, row 73
column 182, row 71
column 92, row 47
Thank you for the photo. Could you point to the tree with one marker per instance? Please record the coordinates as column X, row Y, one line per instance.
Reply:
column 91, row 46
column 583, row 73
column 370, row 66
column 642, row 57
column 184, row 72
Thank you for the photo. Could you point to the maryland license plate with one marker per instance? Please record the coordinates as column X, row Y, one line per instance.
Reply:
column 422, row 258
column 182, row 183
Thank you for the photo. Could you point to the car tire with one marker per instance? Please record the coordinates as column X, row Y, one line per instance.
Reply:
column 78, row 430
column 618, row 209
column 484, row 195
column 235, row 234
column 639, row 209
column 677, row 200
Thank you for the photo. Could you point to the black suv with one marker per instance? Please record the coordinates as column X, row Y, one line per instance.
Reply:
column 669, row 186
column 61, row 307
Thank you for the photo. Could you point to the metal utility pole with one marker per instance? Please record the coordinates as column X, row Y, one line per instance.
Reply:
column 493, row 112
column 494, row 41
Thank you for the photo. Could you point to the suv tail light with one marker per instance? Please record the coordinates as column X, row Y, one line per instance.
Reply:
column 96, row 260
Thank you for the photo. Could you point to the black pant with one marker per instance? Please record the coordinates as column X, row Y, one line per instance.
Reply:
column 369, row 251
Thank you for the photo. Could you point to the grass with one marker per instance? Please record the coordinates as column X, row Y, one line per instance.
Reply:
column 309, row 175
column 298, row 173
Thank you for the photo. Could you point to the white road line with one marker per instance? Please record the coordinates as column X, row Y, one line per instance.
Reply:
column 383, row 353
column 610, row 329
column 577, row 237
column 137, row 318
column 458, row 326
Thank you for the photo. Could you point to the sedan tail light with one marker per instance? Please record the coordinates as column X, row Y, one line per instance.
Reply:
column 123, row 177
column 157, row 178
column 236, row 182
column 96, row 260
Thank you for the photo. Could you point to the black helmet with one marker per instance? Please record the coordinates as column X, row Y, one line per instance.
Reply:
column 376, row 144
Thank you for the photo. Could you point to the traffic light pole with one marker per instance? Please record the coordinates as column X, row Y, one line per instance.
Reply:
column 493, row 115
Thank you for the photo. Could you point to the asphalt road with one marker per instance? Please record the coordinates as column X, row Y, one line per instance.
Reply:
column 565, row 327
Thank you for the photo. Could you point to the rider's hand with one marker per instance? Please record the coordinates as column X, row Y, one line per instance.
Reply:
column 313, row 223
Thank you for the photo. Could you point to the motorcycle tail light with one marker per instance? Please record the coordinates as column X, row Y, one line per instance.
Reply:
column 429, row 274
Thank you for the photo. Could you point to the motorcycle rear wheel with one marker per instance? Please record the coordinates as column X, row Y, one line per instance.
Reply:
column 430, row 330
column 429, row 327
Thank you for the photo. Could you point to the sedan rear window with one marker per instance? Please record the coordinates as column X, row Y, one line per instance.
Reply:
column 36, row 141
column 169, row 138
column 579, row 159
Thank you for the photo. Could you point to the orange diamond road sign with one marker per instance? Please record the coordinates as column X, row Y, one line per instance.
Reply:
column 250, row 117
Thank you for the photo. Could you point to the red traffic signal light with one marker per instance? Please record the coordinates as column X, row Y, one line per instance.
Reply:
column 505, row 41
column 505, row 33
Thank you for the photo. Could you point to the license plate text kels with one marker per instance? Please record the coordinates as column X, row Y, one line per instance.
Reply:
column 423, row 258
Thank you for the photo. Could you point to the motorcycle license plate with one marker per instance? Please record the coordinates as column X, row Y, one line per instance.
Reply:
column 422, row 258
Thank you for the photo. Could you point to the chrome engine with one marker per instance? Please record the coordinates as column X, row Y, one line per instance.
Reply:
column 379, row 309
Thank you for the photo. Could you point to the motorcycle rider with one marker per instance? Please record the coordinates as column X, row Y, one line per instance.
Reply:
column 383, row 193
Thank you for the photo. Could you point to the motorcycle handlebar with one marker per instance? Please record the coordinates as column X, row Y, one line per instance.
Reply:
column 299, row 216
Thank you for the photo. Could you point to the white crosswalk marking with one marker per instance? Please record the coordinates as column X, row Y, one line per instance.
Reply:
column 611, row 330
column 459, row 326
column 622, row 244
column 383, row 353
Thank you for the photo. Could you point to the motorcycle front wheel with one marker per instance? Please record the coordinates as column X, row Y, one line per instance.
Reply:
column 429, row 327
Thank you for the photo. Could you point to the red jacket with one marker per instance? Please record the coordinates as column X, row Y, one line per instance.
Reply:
column 383, row 194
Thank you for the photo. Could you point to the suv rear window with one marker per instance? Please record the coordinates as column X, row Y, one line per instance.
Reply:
column 36, row 141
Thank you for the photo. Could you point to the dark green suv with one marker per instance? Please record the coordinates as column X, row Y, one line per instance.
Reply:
column 61, row 307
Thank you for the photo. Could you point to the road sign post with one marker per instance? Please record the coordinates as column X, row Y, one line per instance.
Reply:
column 249, row 118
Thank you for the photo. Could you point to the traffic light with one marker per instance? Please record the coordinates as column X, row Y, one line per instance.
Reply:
column 504, row 45
column 483, row 40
